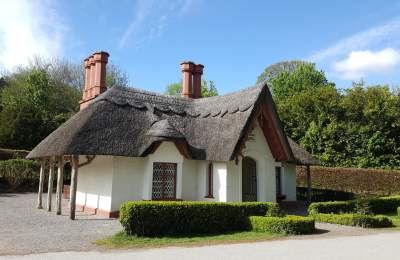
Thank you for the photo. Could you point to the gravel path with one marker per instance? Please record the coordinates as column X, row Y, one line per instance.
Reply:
column 25, row 229
column 369, row 247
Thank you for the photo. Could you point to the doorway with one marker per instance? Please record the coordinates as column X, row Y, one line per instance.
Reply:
column 249, row 179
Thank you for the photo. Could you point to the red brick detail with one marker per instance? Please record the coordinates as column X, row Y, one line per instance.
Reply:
column 98, row 212
column 66, row 192
column 95, row 77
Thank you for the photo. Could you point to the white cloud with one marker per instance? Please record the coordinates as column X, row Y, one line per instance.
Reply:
column 359, row 64
column 150, row 19
column 28, row 28
column 387, row 34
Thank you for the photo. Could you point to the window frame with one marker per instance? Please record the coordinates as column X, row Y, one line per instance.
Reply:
column 210, row 181
column 165, row 164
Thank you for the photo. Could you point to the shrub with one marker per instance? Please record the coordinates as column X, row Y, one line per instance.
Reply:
column 376, row 182
column 334, row 207
column 7, row 154
column 381, row 205
column 17, row 172
column 284, row 225
column 360, row 220
column 384, row 205
column 398, row 211
column 321, row 195
column 158, row 218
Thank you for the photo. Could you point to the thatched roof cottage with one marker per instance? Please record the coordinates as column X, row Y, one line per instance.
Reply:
column 131, row 144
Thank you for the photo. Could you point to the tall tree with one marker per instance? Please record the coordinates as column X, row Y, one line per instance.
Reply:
column 274, row 70
column 39, row 97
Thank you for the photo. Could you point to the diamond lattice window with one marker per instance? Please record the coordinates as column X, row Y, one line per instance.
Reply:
column 164, row 181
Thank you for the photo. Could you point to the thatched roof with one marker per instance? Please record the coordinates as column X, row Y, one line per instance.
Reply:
column 129, row 122
column 302, row 156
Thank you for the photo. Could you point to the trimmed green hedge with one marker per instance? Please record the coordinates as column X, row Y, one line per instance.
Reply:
column 359, row 220
column 381, row 205
column 19, row 172
column 334, row 207
column 160, row 218
column 384, row 205
column 295, row 225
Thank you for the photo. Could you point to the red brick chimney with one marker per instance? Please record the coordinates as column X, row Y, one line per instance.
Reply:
column 95, row 77
column 197, row 72
column 191, row 79
column 187, row 78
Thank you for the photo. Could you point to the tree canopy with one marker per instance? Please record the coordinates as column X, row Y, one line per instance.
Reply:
column 357, row 127
column 36, row 99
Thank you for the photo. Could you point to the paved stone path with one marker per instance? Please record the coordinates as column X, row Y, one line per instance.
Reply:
column 25, row 229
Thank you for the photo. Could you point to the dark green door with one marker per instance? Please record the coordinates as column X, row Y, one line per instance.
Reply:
column 249, row 179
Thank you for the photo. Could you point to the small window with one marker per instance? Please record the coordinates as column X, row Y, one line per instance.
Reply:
column 209, row 181
column 164, row 181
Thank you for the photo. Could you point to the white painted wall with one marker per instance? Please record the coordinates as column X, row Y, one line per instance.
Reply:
column 234, row 187
column 166, row 152
column 128, row 180
column 189, row 180
column 289, row 181
column 95, row 182
column 258, row 149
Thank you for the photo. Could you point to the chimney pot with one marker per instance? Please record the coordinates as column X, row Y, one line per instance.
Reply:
column 95, row 77
column 187, row 78
column 197, row 72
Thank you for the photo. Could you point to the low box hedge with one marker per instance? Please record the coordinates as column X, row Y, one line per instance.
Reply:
column 380, row 205
column 334, row 207
column 160, row 218
column 294, row 225
column 359, row 220
column 384, row 205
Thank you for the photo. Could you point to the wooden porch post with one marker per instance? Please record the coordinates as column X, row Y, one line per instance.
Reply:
column 41, row 180
column 50, row 186
column 74, row 182
column 60, row 182
column 308, row 184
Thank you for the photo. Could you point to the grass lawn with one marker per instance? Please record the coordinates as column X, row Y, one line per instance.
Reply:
column 121, row 240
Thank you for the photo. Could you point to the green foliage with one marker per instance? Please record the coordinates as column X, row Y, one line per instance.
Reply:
column 322, row 195
column 359, row 220
column 17, row 172
column 384, row 205
column 378, row 182
column 38, row 98
column 295, row 225
column 159, row 218
column 32, row 107
column 398, row 211
column 356, row 127
column 274, row 70
column 208, row 89
column 333, row 207
column 6, row 154
column 381, row 205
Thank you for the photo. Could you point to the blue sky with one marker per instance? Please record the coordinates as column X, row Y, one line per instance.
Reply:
column 235, row 40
